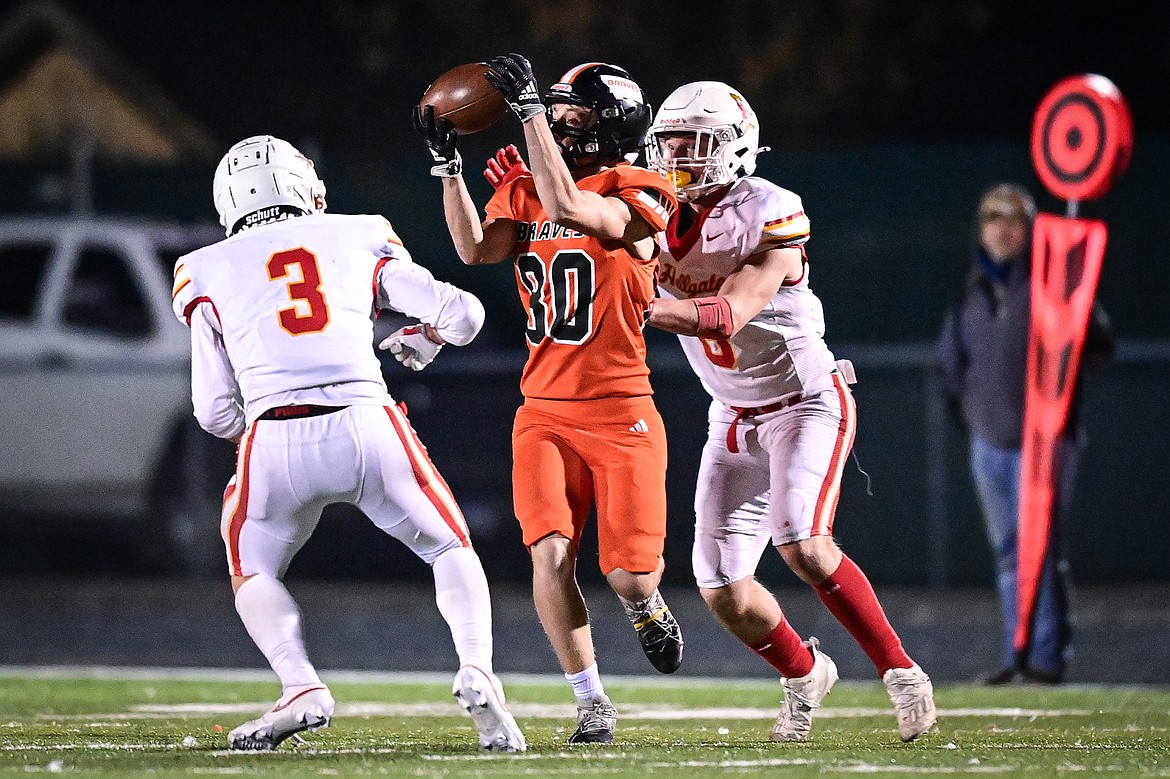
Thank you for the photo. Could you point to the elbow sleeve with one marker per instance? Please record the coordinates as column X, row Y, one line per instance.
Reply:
column 222, row 420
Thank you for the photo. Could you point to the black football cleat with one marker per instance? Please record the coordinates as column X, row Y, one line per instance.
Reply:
column 658, row 633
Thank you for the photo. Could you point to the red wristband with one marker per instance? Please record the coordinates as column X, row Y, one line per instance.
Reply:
column 714, row 317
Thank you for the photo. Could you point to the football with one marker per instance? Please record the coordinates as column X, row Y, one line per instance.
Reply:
column 464, row 97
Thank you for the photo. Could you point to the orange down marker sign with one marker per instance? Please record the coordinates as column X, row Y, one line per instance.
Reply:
column 1082, row 138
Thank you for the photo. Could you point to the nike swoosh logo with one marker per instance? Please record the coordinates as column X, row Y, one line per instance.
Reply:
column 712, row 236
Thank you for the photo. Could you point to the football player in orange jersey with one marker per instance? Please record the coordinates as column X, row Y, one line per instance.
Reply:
column 581, row 231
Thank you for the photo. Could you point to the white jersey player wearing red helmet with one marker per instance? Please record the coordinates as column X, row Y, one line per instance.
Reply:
column 281, row 315
column 734, row 284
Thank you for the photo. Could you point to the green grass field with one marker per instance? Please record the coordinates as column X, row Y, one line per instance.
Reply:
column 153, row 724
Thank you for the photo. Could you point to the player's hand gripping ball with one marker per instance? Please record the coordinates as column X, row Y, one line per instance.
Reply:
column 464, row 97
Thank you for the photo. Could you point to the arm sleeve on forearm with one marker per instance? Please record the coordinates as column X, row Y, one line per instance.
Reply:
column 215, row 394
column 456, row 314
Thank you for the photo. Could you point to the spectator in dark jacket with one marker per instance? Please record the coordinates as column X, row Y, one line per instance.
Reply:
column 983, row 354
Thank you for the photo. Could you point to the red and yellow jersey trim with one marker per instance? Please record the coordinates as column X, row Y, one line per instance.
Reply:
column 182, row 279
column 790, row 229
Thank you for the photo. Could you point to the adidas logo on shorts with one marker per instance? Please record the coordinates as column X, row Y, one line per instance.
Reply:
column 640, row 427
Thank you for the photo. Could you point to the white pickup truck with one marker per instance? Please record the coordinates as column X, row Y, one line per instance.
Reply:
column 95, row 407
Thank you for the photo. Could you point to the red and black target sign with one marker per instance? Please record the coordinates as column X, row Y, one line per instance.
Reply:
column 1082, row 137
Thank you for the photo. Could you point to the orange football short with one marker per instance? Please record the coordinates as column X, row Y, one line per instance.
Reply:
column 568, row 455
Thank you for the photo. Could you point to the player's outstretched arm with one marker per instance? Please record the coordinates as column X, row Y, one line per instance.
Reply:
column 447, row 314
column 476, row 243
column 742, row 295
column 452, row 315
column 760, row 277
column 673, row 316
column 588, row 212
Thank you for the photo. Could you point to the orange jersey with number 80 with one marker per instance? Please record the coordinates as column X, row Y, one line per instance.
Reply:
column 585, row 298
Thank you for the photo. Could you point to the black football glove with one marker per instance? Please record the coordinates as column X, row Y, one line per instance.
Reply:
column 440, row 136
column 511, row 75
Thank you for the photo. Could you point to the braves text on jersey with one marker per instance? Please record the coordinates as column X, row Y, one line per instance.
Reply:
column 585, row 297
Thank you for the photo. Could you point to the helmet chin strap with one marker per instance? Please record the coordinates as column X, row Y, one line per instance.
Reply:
column 683, row 179
column 579, row 160
column 578, row 163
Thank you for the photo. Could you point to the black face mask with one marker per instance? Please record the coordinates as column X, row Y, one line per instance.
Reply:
column 583, row 152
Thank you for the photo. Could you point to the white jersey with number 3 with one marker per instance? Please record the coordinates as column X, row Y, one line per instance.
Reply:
column 294, row 303
column 282, row 315
column 781, row 351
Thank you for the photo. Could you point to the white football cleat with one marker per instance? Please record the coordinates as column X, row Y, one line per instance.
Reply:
column 803, row 695
column 307, row 709
column 481, row 695
column 596, row 721
column 913, row 697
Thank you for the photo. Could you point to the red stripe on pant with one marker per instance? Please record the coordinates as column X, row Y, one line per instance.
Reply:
column 240, row 515
column 831, row 488
column 427, row 476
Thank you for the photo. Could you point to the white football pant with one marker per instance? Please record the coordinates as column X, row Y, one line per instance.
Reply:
column 781, row 486
column 288, row 470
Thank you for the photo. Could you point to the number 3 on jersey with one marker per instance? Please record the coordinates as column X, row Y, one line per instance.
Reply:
column 568, row 284
column 307, row 289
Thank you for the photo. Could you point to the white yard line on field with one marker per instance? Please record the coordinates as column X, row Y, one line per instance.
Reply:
column 342, row 676
column 145, row 674
column 90, row 745
column 870, row 768
column 631, row 711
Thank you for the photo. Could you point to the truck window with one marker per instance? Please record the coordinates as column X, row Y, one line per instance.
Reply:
column 24, row 265
column 104, row 296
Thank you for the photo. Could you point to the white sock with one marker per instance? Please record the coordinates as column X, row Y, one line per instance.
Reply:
column 586, row 684
column 461, row 592
column 273, row 621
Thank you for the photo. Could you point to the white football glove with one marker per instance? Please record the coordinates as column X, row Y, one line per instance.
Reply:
column 412, row 347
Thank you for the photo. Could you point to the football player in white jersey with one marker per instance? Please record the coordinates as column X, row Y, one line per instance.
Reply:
column 281, row 315
column 733, row 283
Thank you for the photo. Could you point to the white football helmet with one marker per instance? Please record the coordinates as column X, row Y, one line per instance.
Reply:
column 262, row 179
column 727, row 138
